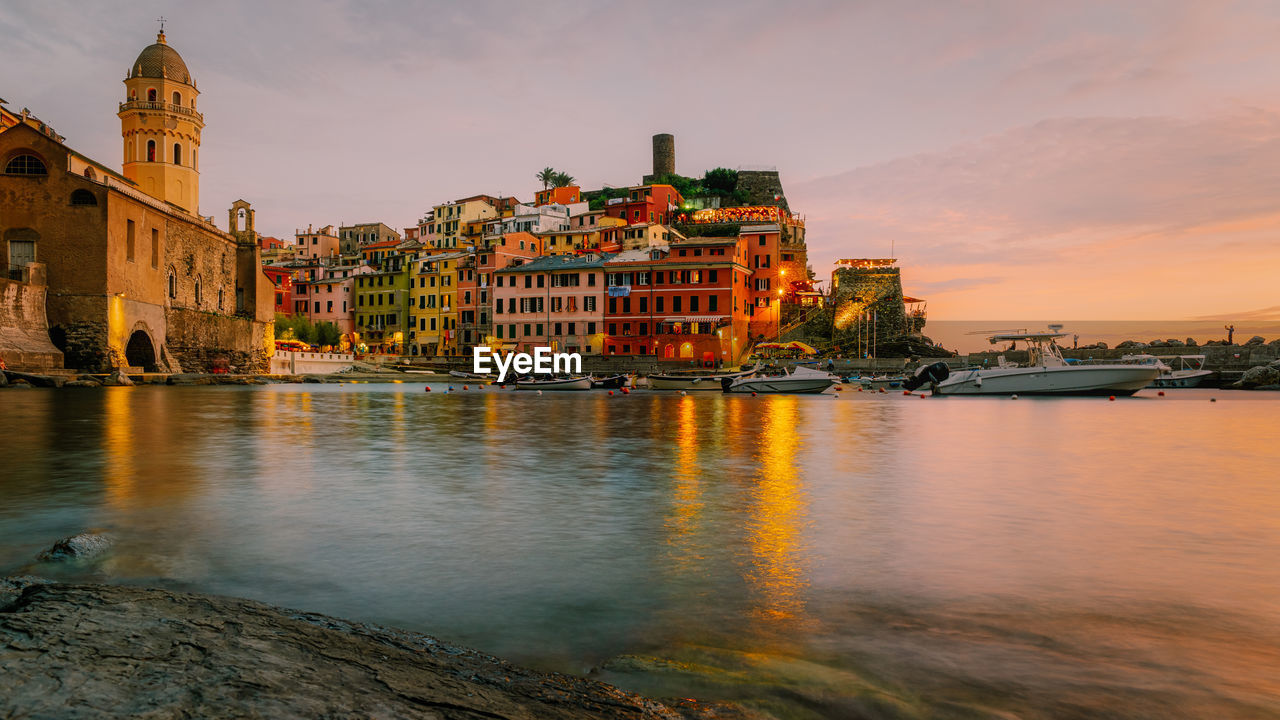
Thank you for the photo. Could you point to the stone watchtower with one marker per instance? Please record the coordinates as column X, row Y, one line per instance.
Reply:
column 664, row 155
column 161, row 128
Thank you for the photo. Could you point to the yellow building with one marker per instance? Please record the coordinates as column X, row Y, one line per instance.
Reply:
column 161, row 128
column 433, row 297
column 454, row 224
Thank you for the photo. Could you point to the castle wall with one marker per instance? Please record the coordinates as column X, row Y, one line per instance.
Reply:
column 24, row 331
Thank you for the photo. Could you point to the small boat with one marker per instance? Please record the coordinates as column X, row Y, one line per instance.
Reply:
column 569, row 383
column 612, row 382
column 798, row 380
column 695, row 381
column 1188, row 372
column 467, row 376
column 877, row 382
column 1045, row 373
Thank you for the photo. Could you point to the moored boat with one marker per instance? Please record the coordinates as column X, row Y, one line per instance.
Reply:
column 798, row 380
column 1188, row 372
column 570, row 383
column 1045, row 373
column 611, row 382
column 694, row 381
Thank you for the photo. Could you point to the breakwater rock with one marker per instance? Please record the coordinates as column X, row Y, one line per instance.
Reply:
column 99, row 651
column 85, row 546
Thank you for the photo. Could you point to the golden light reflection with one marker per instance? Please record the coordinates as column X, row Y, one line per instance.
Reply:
column 683, row 520
column 119, row 471
column 778, row 516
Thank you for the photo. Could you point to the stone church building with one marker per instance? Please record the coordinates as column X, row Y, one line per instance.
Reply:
column 136, row 277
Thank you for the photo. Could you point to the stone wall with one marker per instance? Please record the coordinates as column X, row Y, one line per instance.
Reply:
column 201, row 341
column 24, row 330
column 859, row 291
column 761, row 187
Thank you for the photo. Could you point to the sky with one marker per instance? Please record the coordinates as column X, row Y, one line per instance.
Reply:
column 1084, row 160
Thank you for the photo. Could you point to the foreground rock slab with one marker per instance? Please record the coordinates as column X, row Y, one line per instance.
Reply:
column 94, row 651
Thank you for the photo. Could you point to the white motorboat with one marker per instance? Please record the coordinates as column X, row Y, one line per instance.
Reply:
column 694, row 381
column 570, row 383
column 878, row 382
column 799, row 380
column 1188, row 372
column 1045, row 373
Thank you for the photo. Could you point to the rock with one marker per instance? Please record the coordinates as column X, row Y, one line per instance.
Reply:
column 85, row 546
column 1102, row 345
column 117, row 379
column 48, row 381
column 83, row 383
column 1258, row 376
column 95, row 651
column 1191, row 342
column 1129, row 344
column 19, row 384
column 1154, row 343
column 1173, row 342
column 1256, row 340
column 4, row 379
column 312, row 379
column 11, row 588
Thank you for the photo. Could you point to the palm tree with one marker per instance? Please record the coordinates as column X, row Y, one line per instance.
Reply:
column 546, row 177
column 562, row 179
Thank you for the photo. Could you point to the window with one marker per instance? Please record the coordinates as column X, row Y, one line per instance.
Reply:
column 626, row 304
column 613, row 328
column 129, row 230
column 761, row 241
column 613, row 306
column 177, row 98
column 558, row 329
column 497, row 330
column 83, row 197
column 528, row 281
column 693, row 303
column 591, row 279
column 711, row 276
column 644, row 329
column 644, row 304
column 712, row 303
column 177, row 154
column 25, row 165
column 526, row 329
column 589, row 303
column 151, row 149
column 675, row 303
column 657, row 304
column 511, row 332
column 591, row 330
column 151, row 95
column 173, row 284
column 573, row 328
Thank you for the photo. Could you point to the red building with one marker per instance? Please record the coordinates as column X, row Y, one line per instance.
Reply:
column 282, row 278
column 770, row 279
column 566, row 195
column 689, row 302
column 658, row 204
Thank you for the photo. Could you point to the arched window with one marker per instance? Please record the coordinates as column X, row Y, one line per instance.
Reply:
column 151, row 151
column 83, row 197
column 177, row 154
column 199, row 293
column 195, row 158
column 177, row 98
column 151, row 95
column 173, row 284
column 89, row 173
column 25, row 165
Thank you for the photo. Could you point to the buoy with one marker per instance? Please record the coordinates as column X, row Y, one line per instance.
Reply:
column 626, row 391
column 464, row 387
column 753, row 393
column 1161, row 393
column 1113, row 397
column 923, row 396
column 1013, row 397
column 610, row 393
column 883, row 390
column 906, row 392
column 838, row 388
column 1213, row 399
column 428, row 388
column 539, row 392
column 683, row 393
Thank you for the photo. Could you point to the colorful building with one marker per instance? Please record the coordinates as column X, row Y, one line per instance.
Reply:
column 554, row 301
column 688, row 302
column 646, row 204
column 354, row 237
column 449, row 222
column 433, row 314
column 313, row 244
column 382, row 311
column 567, row 195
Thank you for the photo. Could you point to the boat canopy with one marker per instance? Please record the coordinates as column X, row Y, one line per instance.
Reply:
column 1029, row 337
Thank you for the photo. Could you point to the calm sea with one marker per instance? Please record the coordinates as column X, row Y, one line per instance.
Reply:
column 853, row 556
column 968, row 336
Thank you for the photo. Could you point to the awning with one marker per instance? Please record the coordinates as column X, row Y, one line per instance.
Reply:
column 697, row 319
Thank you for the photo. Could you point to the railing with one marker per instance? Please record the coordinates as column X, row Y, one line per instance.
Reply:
column 167, row 107
column 17, row 273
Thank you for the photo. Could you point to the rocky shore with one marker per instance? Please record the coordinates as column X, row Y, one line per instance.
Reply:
column 102, row 651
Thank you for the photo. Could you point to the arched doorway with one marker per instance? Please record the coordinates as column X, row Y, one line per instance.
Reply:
column 140, row 352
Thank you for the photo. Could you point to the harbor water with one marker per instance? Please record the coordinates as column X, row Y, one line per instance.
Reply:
column 838, row 555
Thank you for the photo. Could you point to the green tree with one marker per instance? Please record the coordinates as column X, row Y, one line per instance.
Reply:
column 720, row 181
column 327, row 333
column 562, row 179
column 547, row 176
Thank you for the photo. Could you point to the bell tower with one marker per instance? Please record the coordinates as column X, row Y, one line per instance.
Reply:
column 160, row 127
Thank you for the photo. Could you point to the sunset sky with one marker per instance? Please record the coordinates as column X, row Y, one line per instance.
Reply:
column 1073, row 160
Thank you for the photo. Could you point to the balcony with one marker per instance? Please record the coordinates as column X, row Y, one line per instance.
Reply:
column 161, row 106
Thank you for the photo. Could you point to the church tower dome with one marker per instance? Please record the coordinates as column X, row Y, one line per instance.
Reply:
column 160, row 127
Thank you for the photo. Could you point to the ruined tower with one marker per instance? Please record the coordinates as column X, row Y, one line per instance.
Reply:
column 664, row 155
